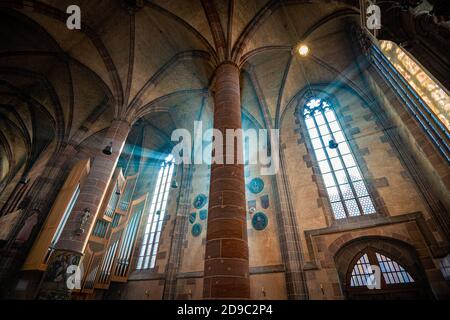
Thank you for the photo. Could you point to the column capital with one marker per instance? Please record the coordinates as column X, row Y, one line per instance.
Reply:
column 227, row 62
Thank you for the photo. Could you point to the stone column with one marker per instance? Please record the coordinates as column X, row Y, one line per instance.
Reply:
column 75, row 234
column 226, row 273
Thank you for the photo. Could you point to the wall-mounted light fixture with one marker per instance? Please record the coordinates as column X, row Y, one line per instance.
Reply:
column 23, row 180
column 332, row 144
column 108, row 149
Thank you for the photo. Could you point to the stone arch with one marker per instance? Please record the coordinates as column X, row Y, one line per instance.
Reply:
column 398, row 250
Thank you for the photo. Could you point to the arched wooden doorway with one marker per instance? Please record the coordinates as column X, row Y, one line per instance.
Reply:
column 400, row 274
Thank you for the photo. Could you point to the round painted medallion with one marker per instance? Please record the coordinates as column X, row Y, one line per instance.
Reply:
column 203, row 214
column 256, row 185
column 196, row 229
column 200, row 201
column 259, row 221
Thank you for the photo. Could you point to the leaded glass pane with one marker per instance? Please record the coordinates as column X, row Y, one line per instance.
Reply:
column 352, row 207
column 338, row 210
column 346, row 191
column 330, row 115
column 309, row 123
column 324, row 166
column 336, row 163
column 334, row 126
column 341, row 177
column 360, row 189
column 354, row 174
column 367, row 205
column 343, row 148
column 333, row 194
column 332, row 152
column 362, row 272
column 329, row 180
column 339, row 136
column 324, row 130
column 313, row 133
column 445, row 267
column 319, row 119
column 393, row 273
column 349, row 161
column 316, row 143
column 320, row 154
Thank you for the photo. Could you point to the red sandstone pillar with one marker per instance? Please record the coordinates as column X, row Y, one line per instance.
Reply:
column 72, row 242
column 226, row 274
column 93, row 189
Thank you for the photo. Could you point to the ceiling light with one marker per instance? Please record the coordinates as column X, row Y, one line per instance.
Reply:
column 303, row 50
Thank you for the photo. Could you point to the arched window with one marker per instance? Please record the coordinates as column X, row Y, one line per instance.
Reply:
column 374, row 275
column 343, row 180
column 149, row 249
column 363, row 271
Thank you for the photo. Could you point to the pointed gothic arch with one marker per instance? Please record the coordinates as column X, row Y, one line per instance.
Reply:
column 401, row 273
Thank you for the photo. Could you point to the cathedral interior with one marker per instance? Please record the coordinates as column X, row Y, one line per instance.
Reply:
column 94, row 204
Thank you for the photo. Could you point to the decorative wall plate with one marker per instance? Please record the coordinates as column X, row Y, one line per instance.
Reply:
column 256, row 185
column 200, row 201
column 196, row 229
column 203, row 214
column 192, row 217
column 259, row 221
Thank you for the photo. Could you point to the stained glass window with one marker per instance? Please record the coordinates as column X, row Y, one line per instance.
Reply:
column 445, row 267
column 152, row 234
column 434, row 95
column 343, row 180
column 392, row 271
column 362, row 272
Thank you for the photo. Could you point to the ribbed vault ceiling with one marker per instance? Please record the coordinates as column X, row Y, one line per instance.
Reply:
column 157, row 61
